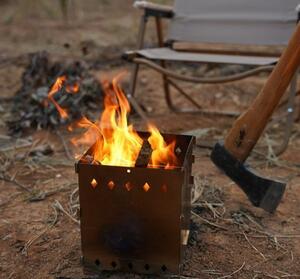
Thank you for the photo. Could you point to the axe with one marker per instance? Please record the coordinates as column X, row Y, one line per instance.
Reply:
column 246, row 130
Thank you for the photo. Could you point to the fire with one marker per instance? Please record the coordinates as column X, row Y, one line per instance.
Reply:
column 58, row 85
column 72, row 88
column 114, row 142
column 163, row 154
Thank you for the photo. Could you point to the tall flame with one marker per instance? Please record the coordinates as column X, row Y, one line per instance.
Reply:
column 116, row 142
column 113, row 141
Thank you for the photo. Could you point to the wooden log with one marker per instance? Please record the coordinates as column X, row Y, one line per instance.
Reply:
column 144, row 155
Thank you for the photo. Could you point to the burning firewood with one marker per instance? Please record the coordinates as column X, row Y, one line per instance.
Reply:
column 112, row 141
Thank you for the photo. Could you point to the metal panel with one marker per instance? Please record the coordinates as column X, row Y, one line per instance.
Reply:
column 128, row 228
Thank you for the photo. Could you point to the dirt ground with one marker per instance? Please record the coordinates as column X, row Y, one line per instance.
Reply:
column 39, row 236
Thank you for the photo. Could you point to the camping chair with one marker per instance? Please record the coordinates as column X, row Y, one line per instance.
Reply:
column 238, row 32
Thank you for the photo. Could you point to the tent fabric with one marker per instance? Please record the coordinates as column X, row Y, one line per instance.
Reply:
column 172, row 55
column 260, row 22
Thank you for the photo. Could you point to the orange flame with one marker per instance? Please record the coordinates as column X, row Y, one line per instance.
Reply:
column 163, row 154
column 74, row 88
column 116, row 142
column 58, row 86
column 113, row 141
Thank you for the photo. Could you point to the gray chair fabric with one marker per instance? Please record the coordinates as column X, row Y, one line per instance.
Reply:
column 172, row 55
column 257, row 22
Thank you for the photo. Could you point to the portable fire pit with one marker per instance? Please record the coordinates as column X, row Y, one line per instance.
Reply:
column 136, row 218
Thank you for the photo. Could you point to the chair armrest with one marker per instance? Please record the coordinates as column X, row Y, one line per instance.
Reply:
column 155, row 10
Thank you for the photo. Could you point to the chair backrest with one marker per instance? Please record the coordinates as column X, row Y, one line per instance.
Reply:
column 255, row 22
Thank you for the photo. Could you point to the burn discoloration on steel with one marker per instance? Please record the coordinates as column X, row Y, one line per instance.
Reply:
column 136, row 230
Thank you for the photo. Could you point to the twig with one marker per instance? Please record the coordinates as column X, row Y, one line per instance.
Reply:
column 58, row 205
column 271, row 153
column 67, row 151
column 32, row 240
column 268, row 275
column 211, row 271
column 20, row 145
column 199, row 186
column 74, row 202
column 287, row 275
column 203, row 204
column 251, row 220
column 60, row 189
column 266, row 260
column 287, row 235
column 234, row 272
column 14, row 181
column 39, row 196
column 182, row 277
column 208, row 222
column 9, row 200
column 263, row 256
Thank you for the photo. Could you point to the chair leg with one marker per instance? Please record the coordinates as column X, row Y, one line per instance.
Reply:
column 135, row 70
column 140, row 43
column 289, row 117
column 130, row 94
column 134, row 75
column 166, row 81
column 169, row 101
column 159, row 31
column 133, row 102
column 198, row 109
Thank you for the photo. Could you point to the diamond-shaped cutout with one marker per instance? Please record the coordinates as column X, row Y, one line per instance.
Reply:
column 111, row 185
column 94, row 183
column 128, row 186
column 146, row 187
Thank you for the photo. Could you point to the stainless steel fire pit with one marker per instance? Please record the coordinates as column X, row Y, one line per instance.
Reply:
column 136, row 218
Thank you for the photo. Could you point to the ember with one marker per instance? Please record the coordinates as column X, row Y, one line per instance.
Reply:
column 31, row 107
column 58, row 85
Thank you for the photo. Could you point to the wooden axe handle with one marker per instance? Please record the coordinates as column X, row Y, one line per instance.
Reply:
column 247, row 129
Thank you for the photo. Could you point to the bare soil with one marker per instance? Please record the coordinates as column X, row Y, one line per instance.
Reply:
column 229, row 238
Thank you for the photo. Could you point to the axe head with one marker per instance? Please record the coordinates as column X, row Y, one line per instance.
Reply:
column 262, row 192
